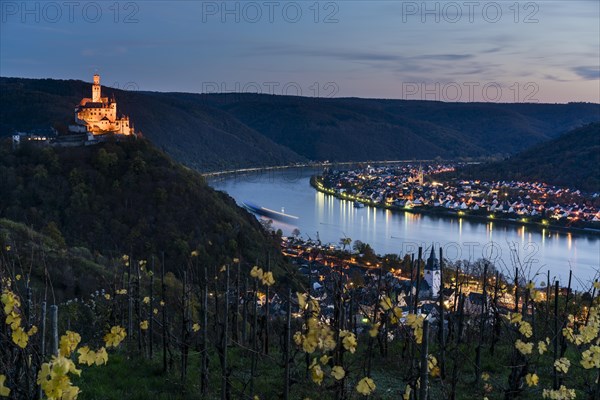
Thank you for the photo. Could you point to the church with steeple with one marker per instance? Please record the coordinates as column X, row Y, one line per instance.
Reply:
column 98, row 115
column 432, row 274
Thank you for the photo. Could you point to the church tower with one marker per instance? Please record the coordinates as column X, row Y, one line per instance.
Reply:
column 96, row 91
column 420, row 178
column 432, row 274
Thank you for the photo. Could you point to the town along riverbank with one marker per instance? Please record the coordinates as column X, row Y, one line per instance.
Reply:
column 540, row 223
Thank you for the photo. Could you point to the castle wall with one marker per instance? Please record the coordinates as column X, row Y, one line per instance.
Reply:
column 101, row 117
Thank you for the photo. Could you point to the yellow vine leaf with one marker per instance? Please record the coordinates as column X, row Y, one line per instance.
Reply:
column 4, row 391
column 365, row 386
column 86, row 356
column 590, row 358
column 101, row 356
column 68, row 343
column 116, row 335
column 20, row 338
column 374, row 331
column 338, row 372
column 268, row 279
column 316, row 374
column 301, row 300
column 385, row 303
column 524, row 348
column 54, row 379
column 562, row 365
column 256, row 272
column 406, row 395
column 349, row 341
column 532, row 379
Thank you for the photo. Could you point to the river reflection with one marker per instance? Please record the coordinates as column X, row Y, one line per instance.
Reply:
column 331, row 219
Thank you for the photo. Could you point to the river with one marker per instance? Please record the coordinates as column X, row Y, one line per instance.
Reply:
column 330, row 219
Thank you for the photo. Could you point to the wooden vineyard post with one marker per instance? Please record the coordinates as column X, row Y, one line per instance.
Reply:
column 139, row 306
column 184, row 329
column 424, row 383
column 129, row 304
column 43, row 338
column 151, row 312
column 254, row 333
column 441, row 333
column 163, row 288
column 556, row 338
column 203, row 346
column 225, row 340
column 418, row 278
column 267, row 310
column 54, row 328
column 517, row 290
column 288, row 334
column 482, row 322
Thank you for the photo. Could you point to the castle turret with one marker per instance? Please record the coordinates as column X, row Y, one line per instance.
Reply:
column 96, row 90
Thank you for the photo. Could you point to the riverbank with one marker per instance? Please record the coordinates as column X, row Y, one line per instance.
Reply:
column 313, row 165
column 533, row 222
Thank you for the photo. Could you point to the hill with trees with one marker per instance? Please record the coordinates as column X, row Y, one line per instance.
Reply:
column 571, row 160
column 352, row 129
column 223, row 131
column 125, row 198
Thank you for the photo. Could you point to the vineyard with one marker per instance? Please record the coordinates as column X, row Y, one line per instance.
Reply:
column 236, row 331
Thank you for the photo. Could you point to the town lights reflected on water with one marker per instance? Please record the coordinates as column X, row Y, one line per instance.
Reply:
column 489, row 229
column 543, row 236
column 388, row 223
column 398, row 232
column 366, row 221
column 319, row 205
column 521, row 233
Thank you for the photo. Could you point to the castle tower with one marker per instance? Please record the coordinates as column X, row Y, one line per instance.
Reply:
column 432, row 274
column 96, row 91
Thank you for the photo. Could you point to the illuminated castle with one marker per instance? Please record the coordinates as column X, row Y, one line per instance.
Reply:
column 98, row 115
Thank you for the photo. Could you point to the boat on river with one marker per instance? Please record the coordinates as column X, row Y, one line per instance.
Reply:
column 272, row 214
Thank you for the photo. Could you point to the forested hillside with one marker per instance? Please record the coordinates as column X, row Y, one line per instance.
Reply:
column 126, row 198
column 571, row 160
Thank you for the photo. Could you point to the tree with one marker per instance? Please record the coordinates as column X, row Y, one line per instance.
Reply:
column 359, row 246
column 345, row 241
column 54, row 233
column 267, row 224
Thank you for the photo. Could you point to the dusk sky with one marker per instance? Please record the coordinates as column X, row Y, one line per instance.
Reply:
column 544, row 51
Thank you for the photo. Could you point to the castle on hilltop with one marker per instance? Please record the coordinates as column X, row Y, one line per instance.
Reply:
column 98, row 115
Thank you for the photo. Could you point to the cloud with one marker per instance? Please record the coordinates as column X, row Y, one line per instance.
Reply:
column 588, row 73
column 493, row 50
column 444, row 57
column 109, row 51
column 353, row 55
column 555, row 78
